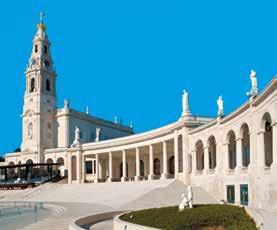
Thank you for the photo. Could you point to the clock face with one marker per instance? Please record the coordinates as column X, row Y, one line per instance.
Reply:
column 33, row 61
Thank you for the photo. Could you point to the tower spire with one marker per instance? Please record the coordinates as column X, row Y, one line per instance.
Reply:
column 41, row 25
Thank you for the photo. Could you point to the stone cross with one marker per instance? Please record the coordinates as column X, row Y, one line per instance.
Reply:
column 41, row 15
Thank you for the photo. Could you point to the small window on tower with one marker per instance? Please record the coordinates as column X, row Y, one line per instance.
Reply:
column 32, row 85
column 36, row 48
column 48, row 87
column 45, row 49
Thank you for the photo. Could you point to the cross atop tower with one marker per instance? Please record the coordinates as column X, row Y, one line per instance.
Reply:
column 41, row 15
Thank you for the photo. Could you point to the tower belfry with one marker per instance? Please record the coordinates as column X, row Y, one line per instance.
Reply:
column 40, row 96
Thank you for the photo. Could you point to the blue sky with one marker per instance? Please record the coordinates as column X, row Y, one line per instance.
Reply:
column 134, row 58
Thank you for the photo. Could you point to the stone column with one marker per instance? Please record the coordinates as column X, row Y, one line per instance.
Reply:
column 185, row 153
column 193, row 162
column 261, row 151
column 96, row 180
column 239, row 155
column 137, row 177
column 225, row 156
column 83, row 168
column 274, row 144
column 124, row 171
column 69, row 171
column 151, row 163
column 176, row 154
column 78, row 166
column 206, row 159
column 253, row 151
column 165, row 170
column 110, row 167
column 66, row 129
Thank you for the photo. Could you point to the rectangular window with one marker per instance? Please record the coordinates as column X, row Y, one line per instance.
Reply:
column 244, row 194
column 231, row 194
column 89, row 167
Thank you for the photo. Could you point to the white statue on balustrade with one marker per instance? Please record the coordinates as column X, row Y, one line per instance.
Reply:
column 185, row 104
column 98, row 130
column 254, row 85
column 76, row 141
column 220, row 103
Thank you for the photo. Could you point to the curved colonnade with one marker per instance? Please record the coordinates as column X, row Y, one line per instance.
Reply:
column 233, row 157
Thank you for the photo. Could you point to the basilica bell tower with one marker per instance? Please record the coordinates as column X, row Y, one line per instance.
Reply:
column 39, row 110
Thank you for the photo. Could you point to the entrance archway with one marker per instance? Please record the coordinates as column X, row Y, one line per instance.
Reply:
column 157, row 166
column 171, row 165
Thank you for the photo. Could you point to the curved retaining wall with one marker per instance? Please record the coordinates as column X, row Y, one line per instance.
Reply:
column 92, row 219
column 120, row 224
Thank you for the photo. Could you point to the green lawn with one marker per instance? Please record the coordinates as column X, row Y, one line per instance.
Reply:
column 202, row 217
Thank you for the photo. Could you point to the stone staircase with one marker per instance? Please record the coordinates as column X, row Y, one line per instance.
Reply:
column 50, row 224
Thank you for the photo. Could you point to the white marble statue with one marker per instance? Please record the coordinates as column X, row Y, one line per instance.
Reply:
column 66, row 103
column 185, row 104
column 220, row 106
column 30, row 130
column 76, row 141
column 190, row 197
column 254, row 85
column 186, row 199
column 98, row 130
column 183, row 202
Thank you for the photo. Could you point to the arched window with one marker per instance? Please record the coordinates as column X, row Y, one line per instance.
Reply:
column 60, row 161
column 171, row 165
column 157, row 166
column 268, row 144
column 36, row 48
column 245, row 145
column 212, row 152
column 232, row 150
column 30, row 130
column 32, row 85
column 48, row 86
column 49, row 130
column 199, row 155
column 49, row 161
column 45, row 49
column 29, row 162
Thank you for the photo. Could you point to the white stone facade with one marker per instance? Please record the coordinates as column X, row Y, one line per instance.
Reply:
column 232, row 157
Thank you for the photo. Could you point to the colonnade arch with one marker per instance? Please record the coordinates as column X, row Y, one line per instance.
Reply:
column 199, row 150
column 245, row 145
column 157, row 166
column 212, row 152
column 232, row 150
column 268, row 139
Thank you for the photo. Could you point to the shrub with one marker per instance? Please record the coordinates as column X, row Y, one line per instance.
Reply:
column 217, row 217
